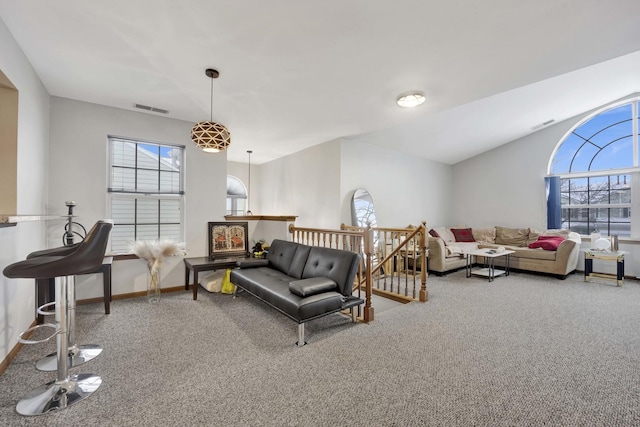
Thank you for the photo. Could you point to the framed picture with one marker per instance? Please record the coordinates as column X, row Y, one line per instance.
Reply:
column 228, row 239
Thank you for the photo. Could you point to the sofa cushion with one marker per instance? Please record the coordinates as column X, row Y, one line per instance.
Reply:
column 556, row 232
column 463, row 234
column 272, row 287
column 443, row 233
column 484, row 235
column 534, row 234
column 524, row 252
column 459, row 248
column 339, row 266
column 281, row 254
column 533, row 254
column 512, row 236
column 299, row 261
column 548, row 243
column 312, row 286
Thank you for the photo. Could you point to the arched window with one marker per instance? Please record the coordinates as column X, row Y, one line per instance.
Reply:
column 236, row 196
column 592, row 172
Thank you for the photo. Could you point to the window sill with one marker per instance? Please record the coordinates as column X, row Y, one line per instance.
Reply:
column 630, row 240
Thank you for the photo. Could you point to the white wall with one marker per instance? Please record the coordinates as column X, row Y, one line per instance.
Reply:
column 266, row 230
column 505, row 186
column 78, row 171
column 317, row 185
column 405, row 189
column 17, row 295
column 306, row 184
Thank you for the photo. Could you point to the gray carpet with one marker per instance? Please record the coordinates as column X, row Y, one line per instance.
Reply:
column 525, row 350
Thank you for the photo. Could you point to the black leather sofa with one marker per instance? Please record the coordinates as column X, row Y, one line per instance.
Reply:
column 302, row 282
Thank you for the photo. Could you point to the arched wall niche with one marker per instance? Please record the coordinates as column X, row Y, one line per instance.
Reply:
column 362, row 211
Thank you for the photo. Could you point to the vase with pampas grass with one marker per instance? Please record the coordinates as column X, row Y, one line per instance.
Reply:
column 154, row 252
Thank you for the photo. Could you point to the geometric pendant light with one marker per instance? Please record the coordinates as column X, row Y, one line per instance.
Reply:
column 211, row 137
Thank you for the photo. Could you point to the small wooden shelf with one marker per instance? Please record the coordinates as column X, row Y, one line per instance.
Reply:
column 261, row 217
column 11, row 220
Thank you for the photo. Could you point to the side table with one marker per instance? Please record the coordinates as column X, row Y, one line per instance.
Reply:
column 489, row 271
column 205, row 264
column 618, row 257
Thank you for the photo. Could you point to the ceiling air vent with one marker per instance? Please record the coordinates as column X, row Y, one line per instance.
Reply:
column 153, row 109
column 541, row 125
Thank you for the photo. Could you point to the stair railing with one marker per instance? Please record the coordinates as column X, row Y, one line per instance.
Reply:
column 400, row 272
column 359, row 241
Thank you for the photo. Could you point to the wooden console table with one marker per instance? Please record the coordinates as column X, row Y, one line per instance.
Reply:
column 205, row 264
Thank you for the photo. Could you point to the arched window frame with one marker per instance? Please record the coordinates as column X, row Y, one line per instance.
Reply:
column 593, row 213
column 236, row 202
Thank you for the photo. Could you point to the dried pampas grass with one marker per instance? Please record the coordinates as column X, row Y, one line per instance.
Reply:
column 154, row 251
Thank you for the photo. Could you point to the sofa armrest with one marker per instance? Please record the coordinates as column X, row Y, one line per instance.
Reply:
column 312, row 286
column 567, row 257
column 436, row 254
column 253, row 263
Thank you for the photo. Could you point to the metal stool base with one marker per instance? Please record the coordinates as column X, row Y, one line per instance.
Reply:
column 58, row 394
column 78, row 355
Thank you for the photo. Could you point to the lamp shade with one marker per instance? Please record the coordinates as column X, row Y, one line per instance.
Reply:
column 211, row 137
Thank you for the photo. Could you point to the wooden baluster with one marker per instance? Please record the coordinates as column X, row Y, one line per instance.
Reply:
column 414, row 264
column 368, row 308
column 424, row 295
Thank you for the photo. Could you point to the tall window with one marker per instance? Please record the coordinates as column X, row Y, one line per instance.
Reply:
column 236, row 196
column 597, row 163
column 145, row 191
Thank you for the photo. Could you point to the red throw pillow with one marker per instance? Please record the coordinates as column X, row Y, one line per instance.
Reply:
column 463, row 234
column 548, row 243
column 434, row 233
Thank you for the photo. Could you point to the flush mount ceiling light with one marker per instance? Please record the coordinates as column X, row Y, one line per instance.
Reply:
column 410, row 100
column 211, row 137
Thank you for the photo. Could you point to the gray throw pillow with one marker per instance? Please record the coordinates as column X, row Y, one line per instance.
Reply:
column 312, row 286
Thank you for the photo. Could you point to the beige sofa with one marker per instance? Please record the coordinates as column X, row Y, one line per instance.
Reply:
column 445, row 254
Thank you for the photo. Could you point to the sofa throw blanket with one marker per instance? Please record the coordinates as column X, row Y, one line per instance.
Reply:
column 548, row 243
column 459, row 248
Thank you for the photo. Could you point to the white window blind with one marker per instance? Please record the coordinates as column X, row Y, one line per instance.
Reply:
column 146, row 191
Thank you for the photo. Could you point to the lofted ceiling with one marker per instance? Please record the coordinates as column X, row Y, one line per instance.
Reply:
column 294, row 74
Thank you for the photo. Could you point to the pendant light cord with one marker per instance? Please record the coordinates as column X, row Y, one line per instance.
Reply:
column 211, row 115
column 249, row 189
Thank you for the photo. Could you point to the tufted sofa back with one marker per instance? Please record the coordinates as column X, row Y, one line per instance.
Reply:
column 340, row 266
column 288, row 257
column 301, row 262
column 281, row 254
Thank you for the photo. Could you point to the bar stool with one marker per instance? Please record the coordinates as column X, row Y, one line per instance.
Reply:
column 77, row 354
column 65, row 389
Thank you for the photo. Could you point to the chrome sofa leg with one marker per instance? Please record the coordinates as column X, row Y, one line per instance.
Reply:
column 301, row 342
column 354, row 317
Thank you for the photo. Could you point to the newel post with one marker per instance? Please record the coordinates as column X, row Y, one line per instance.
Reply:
column 424, row 294
column 292, row 229
column 368, row 250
